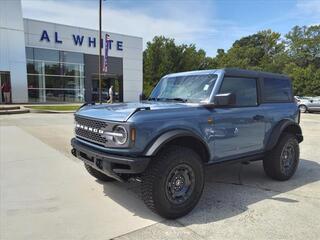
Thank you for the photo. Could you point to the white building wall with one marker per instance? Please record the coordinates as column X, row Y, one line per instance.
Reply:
column 131, row 53
column 12, row 48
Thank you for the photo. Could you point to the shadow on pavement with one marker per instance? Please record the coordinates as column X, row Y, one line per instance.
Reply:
column 229, row 190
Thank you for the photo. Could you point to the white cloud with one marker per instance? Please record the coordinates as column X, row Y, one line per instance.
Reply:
column 187, row 22
column 132, row 22
column 309, row 6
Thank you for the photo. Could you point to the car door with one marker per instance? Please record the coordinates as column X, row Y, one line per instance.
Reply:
column 314, row 104
column 239, row 129
column 317, row 107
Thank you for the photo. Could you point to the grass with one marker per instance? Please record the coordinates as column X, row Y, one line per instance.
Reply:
column 55, row 107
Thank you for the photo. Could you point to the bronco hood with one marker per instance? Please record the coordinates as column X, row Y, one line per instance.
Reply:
column 123, row 111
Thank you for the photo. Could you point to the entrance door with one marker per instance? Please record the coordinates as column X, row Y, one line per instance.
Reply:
column 5, row 83
column 108, row 80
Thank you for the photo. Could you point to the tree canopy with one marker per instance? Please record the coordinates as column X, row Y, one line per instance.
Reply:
column 296, row 54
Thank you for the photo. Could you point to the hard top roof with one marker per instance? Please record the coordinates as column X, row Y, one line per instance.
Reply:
column 252, row 73
column 231, row 72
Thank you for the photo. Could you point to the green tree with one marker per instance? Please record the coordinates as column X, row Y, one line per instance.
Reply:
column 297, row 55
column 304, row 45
column 163, row 56
column 258, row 51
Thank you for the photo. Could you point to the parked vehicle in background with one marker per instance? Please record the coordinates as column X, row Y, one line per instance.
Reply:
column 308, row 104
column 191, row 120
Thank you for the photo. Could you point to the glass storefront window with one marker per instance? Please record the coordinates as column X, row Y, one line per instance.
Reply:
column 64, row 82
column 52, row 68
column 71, row 69
column 46, row 54
column 55, row 95
column 35, row 81
column 36, row 95
column 35, row 67
column 71, row 57
column 55, row 76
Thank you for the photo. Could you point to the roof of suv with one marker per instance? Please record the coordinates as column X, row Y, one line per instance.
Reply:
column 232, row 72
column 251, row 73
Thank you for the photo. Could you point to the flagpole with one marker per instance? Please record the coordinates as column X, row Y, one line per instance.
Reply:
column 100, row 81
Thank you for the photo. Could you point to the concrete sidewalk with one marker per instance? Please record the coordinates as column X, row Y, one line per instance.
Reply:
column 44, row 195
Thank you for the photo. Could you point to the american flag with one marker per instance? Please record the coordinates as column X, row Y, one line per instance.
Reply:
column 105, row 62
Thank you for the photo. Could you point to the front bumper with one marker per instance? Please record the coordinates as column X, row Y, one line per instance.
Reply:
column 109, row 164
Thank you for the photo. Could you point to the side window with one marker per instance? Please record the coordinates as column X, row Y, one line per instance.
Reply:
column 245, row 90
column 277, row 90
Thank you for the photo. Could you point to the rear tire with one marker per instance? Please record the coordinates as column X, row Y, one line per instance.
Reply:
column 173, row 183
column 282, row 162
column 98, row 175
column 303, row 108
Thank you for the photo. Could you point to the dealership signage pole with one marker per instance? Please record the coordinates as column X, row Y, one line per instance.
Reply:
column 106, row 53
column 100, row 82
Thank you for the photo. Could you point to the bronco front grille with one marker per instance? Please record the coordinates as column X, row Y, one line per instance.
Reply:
column 90, row 129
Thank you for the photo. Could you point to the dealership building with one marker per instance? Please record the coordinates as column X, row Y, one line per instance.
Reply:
column 49, row 62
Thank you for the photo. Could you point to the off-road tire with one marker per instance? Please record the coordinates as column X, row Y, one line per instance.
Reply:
column 155, row 178
column 98, row 175
column 272, row 163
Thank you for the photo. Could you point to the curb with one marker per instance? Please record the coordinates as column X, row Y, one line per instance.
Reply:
column 9, row 110
column 48, row 111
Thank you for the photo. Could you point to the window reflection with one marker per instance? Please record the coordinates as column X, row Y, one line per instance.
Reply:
column 34, row 67
column 71, row 69
column 55, row 76
column 52, row 68
column 64, row 95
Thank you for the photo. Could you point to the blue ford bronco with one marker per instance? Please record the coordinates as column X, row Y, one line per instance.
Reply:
column 191, row 120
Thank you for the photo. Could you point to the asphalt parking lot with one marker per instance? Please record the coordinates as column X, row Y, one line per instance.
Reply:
column 47, row 194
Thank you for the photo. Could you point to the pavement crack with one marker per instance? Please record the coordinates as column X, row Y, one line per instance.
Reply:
column 191, row 230
column 137, row 230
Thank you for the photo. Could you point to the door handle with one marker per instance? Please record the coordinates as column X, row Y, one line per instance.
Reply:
column 258, row 117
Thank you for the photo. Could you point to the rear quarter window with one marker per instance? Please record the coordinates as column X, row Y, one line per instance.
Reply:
column 277, row 90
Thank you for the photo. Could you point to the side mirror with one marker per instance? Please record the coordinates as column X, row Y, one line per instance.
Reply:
column 224, row 99
column 142, row 97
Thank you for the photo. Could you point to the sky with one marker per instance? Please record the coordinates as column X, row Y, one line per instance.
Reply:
column 209, row 24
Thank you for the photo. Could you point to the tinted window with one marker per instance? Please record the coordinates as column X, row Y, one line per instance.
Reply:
column 245, row 90
column 277, row 90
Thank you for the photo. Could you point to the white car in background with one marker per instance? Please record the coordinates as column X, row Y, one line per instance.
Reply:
column 308, row 104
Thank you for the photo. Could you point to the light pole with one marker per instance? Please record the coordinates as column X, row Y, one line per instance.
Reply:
column 100, row 81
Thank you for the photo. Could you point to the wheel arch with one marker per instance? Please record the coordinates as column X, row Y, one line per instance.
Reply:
column 302, row 104
column 284, row 126
column 183, row 138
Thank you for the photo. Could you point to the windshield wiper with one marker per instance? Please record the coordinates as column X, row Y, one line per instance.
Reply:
column 168, row 99
column 176, row 99
column 153, row 99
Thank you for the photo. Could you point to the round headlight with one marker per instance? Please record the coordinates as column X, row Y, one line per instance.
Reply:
column 121, row 135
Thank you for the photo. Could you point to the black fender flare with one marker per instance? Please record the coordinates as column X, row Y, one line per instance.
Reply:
column 280, row 128
column 168, row 136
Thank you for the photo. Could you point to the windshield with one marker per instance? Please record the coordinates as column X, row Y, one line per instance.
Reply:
column 190, row 88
